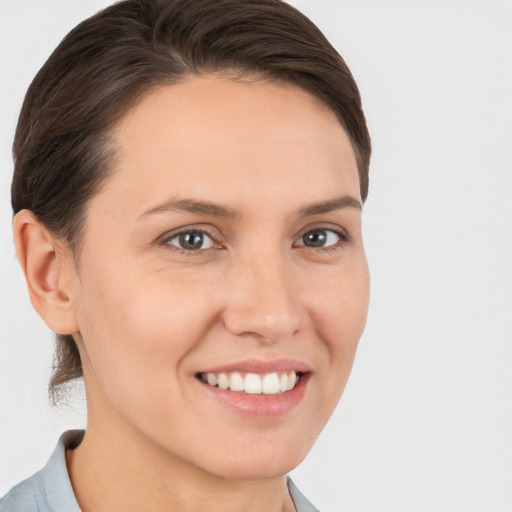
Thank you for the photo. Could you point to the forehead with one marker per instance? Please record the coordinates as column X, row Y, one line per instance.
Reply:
column 227, row 140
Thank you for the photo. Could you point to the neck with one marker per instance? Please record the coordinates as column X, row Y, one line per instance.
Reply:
column 117, row 469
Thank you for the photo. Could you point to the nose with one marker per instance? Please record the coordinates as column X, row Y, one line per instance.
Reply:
column 262, row 300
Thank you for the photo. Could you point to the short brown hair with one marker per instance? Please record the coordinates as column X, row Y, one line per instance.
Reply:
column 106, row 63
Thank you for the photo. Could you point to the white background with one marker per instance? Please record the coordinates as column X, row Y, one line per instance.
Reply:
column 425, row 423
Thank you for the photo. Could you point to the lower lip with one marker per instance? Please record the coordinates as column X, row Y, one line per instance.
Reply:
column 259, row 406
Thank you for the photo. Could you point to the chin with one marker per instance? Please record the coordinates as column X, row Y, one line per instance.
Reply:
column 261, row 463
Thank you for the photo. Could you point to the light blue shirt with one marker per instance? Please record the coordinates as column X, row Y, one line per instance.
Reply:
column 49, row 490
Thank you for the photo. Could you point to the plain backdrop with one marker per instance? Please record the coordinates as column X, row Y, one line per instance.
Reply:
column 425, row 423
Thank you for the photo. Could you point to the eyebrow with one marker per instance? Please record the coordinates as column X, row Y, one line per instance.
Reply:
column 207, row 208
column 192, row 206
column 329, row 206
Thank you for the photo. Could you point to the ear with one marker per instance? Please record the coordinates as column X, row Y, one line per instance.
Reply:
column 49, row 271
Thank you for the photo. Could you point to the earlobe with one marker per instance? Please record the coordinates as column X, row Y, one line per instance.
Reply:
column 47, row 268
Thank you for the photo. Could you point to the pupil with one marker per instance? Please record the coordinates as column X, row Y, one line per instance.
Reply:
column 191, row 240
column 315, row 238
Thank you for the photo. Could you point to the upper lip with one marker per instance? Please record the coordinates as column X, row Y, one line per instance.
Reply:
column 260, row 366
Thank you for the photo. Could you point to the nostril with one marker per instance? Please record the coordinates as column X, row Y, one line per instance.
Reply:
column 267, row 327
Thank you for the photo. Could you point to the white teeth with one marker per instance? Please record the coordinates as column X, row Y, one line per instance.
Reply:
column 223, row 381
column 270, row 384
column 236, row 382
column 283, row 382
column 292, row 380
column 253, row 384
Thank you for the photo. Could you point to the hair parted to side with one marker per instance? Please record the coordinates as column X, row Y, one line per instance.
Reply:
column 62, row 150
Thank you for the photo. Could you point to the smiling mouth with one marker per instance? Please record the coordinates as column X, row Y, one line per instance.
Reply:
column 273, row 383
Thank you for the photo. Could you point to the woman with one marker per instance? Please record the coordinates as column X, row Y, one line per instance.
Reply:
column 188, row 184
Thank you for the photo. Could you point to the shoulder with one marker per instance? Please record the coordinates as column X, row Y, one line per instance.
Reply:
column 27, row 496
column 49, row 490
column 300, row 501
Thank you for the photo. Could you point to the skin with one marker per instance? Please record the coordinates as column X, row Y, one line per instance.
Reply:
column 147, row 315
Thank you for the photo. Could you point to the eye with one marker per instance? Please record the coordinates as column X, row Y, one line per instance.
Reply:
column 321, row 238
column 191, row 240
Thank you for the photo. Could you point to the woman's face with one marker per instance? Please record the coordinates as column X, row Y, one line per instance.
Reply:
column 226, row 247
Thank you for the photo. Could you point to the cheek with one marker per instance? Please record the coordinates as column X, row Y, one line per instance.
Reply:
column 141, row 327
column 138, row 338
column 341, row 305
column 339, row 315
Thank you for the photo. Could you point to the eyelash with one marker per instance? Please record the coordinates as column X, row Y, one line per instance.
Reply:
column 344, row 239
column 166, row 239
